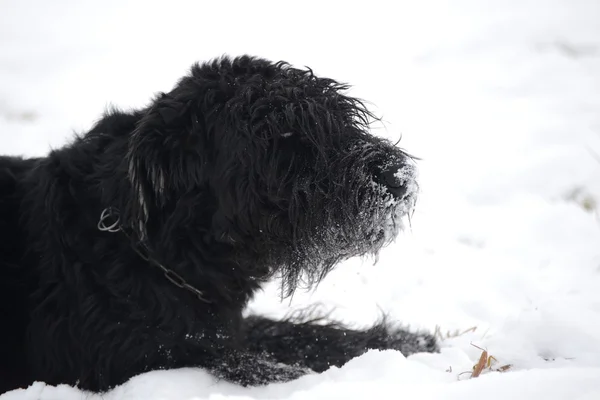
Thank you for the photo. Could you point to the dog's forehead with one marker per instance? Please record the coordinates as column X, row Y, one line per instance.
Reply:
column 275, row 78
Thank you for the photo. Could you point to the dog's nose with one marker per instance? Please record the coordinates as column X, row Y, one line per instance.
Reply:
column 393, row 184
column 397, row 178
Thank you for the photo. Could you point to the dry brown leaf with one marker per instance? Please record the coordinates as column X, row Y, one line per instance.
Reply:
column 481, row 364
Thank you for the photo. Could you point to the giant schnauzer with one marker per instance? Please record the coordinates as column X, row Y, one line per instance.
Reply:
column 137, row 246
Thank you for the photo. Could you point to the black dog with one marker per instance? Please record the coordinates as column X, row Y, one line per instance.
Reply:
column 138, row 246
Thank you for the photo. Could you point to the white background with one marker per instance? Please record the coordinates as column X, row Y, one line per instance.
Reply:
column 500, row 100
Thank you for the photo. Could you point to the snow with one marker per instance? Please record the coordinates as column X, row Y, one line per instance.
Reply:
column 500, row 100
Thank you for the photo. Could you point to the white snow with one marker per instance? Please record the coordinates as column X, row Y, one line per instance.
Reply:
column 500, row 100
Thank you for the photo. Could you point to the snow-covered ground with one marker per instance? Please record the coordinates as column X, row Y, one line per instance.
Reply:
column 500, row 99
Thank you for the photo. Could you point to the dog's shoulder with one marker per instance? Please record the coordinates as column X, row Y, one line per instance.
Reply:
column 12, row 171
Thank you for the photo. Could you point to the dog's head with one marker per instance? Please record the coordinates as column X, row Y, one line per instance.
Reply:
column 265, row 166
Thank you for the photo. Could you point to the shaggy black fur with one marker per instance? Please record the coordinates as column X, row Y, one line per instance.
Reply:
column 247, row 169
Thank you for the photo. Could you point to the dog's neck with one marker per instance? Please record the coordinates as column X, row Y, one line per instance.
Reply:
column 92, row 175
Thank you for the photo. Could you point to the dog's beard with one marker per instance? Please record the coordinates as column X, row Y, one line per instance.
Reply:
column 359, row 219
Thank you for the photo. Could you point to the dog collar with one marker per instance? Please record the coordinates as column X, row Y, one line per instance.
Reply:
column 110, row 221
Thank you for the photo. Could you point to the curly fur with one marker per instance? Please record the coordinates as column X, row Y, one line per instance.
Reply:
column 246, row 170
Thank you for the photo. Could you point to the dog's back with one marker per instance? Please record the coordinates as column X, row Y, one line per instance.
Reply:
column 15, row 286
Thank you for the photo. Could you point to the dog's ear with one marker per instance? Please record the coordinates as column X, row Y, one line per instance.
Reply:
column 164, row 156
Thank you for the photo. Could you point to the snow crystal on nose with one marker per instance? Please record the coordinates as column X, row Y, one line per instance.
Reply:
column 407, row 177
